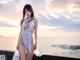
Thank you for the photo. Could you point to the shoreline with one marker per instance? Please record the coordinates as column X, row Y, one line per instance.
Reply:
column 9, row 55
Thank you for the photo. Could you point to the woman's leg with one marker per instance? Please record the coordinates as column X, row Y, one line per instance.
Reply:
column 32, row 52
column 22, row 52
column 29, row 54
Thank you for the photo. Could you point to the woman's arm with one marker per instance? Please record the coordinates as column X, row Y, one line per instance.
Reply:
column 19, row 38
column 35, row 33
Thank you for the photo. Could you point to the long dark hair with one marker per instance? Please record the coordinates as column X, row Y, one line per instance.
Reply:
column 29, row 8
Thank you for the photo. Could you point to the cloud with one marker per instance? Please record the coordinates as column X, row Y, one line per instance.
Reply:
column 13, row 8
column 9, row 9
column 5, row 1
column 73, row 15
column 4, row 24
column 68, row 19
column 66, row 24
column 64, row 4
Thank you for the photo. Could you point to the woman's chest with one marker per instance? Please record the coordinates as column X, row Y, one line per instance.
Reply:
column 29, row 25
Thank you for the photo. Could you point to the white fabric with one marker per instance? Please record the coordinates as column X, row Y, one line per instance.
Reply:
column 16, row 55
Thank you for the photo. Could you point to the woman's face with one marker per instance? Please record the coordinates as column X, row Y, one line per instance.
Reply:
column 27, row 13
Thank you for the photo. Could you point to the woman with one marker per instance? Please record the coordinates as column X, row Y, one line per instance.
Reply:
column 28, row 34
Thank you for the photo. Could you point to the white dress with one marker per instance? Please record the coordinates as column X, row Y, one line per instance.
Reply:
column 27, row 35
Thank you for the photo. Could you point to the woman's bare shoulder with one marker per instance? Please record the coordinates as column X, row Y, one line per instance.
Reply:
column 35, row 19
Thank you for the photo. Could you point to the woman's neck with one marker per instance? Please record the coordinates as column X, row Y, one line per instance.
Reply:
column 27, row 19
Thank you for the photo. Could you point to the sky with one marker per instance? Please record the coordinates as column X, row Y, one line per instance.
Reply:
column 57, row 16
